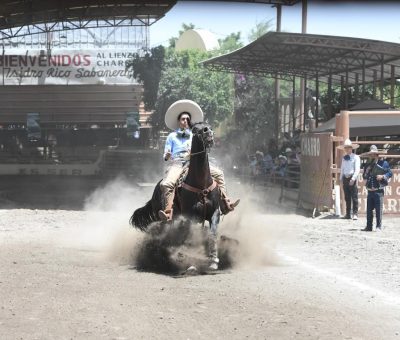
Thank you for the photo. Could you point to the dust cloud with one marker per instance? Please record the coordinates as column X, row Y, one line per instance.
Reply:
column 247, row 236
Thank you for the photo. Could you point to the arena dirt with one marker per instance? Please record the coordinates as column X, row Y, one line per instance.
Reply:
column 71, row 274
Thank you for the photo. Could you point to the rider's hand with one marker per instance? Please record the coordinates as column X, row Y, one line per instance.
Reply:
column 167, row 156
column 351, row 182
column 379, row 177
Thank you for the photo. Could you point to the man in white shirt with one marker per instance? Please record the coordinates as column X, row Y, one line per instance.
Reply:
column 348, row 176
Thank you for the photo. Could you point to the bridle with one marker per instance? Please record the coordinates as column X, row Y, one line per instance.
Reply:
column 200, row 135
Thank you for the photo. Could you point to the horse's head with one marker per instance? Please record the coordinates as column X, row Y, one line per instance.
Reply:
column 204, row 133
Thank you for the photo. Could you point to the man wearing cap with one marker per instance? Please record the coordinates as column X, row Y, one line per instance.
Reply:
column 179, row 117
column 376, row 173
column 348, row 176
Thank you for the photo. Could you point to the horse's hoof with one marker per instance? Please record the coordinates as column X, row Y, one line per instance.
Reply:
column 213, row 266
column 192, row 270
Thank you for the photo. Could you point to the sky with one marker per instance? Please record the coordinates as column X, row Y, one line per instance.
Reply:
column 378, row 20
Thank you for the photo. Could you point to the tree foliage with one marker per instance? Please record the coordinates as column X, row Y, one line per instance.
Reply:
column 147, row 69
column 168, row 75
column 185, row 27
column 259, row 30
column 184, row 77
column 230, row 43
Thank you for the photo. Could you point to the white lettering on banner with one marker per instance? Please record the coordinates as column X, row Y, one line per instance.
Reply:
column 398, row 191
column 396, row 177
column 20, row 67
column 310, row 146
column 391, row 205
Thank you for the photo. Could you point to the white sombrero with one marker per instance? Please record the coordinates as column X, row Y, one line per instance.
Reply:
column 348, row 144
column 184, row 105
column 373, row 150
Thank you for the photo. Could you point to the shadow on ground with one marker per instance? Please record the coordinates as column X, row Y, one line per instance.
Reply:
column 47, row 192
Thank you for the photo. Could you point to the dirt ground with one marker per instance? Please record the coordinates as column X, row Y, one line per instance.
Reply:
column 71, row 274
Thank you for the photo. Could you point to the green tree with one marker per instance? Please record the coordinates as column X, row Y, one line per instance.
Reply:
column 255, row 108
column 185, row 27
column 230, row 43
column 147, row 70
column 184, row 77
column 260, row 29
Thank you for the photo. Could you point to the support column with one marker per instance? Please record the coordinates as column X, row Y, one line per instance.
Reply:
column 392, row 84
column 278, row 119
column 317, row 100
column 357, row 90
column 363, row 80
column 346, row 94
column 330, row 113
column 382, row 82
column 302, row 82
column 293, row 104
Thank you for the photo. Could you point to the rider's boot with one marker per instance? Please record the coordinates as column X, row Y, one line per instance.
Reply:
column 225, row 203
column 166, row 214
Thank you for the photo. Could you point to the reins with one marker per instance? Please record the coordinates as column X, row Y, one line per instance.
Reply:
column 203, row 151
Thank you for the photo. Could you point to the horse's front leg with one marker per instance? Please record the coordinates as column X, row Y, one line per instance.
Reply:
column 212, row 239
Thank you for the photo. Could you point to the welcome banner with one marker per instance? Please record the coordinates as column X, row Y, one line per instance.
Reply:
column 64, row 67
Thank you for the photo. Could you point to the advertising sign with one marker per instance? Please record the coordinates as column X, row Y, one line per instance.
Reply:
column 64, row 67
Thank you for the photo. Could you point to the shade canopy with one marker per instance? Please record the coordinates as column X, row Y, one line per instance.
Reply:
column 381, row 124
column 284, row 55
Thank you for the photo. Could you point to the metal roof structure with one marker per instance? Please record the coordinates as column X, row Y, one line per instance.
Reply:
column 26, row 17
column 285, row 55
column 266, row 2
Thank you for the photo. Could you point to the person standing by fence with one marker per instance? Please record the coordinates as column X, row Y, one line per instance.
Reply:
column 377, row 174
column 348, row 176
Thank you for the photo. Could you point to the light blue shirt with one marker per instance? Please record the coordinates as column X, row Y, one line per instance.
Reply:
column 179, row 145
column 350, row 167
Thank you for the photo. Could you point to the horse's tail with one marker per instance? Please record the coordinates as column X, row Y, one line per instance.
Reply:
column 142, row 217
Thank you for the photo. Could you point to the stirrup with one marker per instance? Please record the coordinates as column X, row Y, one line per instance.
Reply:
column 165, row 215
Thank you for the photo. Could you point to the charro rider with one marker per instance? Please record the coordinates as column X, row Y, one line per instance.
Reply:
column 179, row 117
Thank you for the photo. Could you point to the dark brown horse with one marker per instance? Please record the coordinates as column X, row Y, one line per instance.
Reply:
column 196, row 200
column 198, row 197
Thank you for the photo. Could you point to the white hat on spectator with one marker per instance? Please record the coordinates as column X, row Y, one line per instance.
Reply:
column 373, row 150
column 348, row 144
column 288, row 150
column 282, row 156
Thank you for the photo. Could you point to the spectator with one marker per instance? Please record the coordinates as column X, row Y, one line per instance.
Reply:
column 258, row 165
column 269, row 162
column 291, row 156
column 280, row 167
column 348, row 176
column 376, row 173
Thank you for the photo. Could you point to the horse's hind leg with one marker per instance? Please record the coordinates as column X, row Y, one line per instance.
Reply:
column 212, row 241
